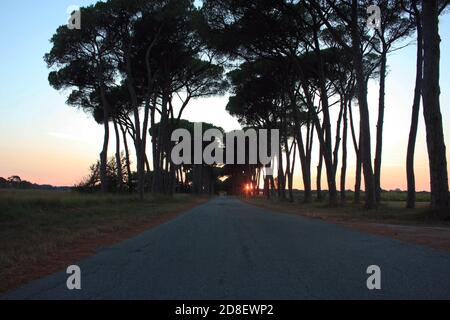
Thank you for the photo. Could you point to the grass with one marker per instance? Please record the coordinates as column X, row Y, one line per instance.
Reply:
column 391, row 196
column 42, row 231
column 387, row 196
column 392, row 209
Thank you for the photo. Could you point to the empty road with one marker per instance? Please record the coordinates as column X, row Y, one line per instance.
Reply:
column 227, row 249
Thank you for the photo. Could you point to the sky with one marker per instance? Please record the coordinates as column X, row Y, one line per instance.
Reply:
column 45, row 141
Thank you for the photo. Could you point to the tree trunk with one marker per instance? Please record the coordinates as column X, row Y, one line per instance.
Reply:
column 358, row 177
column 379, row 142
column 323, row 132
column 306, row 169
column 358, row 166
column 338, row 135
column 326, row 155
column 432, row 111
column 309, row 146
column 104, row 160
column 143, row 155
column 147, row 164
column 140, row 168
column 291, row 174
column 319, row 177
column 281, row 183
column 104, row 154
column 158, row 171
column 411, row 198
column 265, row 188
column 137, row 123
column 288, row 169
column 272, row 185
column 365, row 145
column 118, row 157
column 305, row 155
column 154, row 146
column 344, row 153
column 327, row 144
column 127, row 159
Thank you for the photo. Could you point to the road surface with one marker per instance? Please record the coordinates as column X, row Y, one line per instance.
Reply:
column 227, row 249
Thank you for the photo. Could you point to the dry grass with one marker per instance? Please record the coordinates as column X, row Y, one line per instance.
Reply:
column 392, row 211
column 40, row 231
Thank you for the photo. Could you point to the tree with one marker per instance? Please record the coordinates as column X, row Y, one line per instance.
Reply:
column 132, row 52
column 4, row 183
column 159, row 55
column 415, row 16
column 200, row 178
column 91, row 183
column 193, row 78
column 274, row 30
column 82, row 60
column 350, row 14
column 14, row 179
column 394, row 26
column 260, row 100
column 432, row 111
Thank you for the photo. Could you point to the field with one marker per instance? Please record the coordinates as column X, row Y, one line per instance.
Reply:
column 391, row 210
column 45, row 231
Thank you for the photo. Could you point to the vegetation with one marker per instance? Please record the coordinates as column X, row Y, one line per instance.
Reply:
column 320, row 54
column 15, row 182
column 44, row 231
column 390, row 211
column 286, row 64
column 301, row 67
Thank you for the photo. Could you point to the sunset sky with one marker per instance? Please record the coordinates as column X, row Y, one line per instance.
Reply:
column 45, row 141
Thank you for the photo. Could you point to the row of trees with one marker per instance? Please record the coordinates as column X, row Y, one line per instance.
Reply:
column 300, row 58
column 15, row 182
column 289, row 64
column 128, row 65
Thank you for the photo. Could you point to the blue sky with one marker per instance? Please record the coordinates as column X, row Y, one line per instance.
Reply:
column 44, row 140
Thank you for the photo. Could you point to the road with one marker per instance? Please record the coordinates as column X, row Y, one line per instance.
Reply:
column 227, row 249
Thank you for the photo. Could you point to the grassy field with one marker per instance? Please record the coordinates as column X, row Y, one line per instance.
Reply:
column 44, row 231
column 392, row 209
column 386, row 196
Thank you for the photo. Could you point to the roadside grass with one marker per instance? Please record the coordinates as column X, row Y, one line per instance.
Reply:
column 392, row 209
column 388, row 196
column 40, row 231
column 402, row 196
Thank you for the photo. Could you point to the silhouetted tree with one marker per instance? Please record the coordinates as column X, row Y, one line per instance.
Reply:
column 394, row 26
column 432, row 111
column 82, row 60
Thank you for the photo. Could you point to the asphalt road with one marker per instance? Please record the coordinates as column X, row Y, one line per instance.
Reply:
column 227, row 249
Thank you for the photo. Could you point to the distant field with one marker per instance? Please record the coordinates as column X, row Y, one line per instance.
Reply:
column 42, row 231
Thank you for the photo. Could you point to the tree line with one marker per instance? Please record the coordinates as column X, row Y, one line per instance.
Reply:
column 286, row 65
column 127, row 65
column 15, row 182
